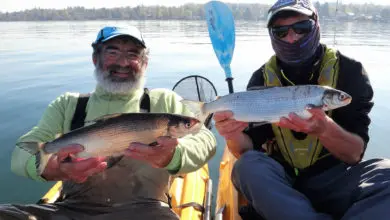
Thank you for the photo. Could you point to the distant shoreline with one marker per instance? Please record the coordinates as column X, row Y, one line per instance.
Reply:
column 188, row 12
column 322, row 20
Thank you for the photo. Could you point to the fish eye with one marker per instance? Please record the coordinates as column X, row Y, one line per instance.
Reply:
column 188, row 124
column 342, row 97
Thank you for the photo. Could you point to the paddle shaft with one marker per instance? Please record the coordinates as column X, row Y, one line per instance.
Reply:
column 230, row 84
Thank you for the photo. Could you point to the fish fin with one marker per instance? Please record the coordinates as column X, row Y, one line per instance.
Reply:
column 31, row 147
column 260, row 87
column 112, row 160
column 197, row 108
column 153, row 144
column 257, row 124
column 104, row 117
column 41, row 160
column 305, row 114
column 311, row 106
column 67, row 159
column 41, row 157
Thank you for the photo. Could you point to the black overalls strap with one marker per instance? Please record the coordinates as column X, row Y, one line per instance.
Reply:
column 80, row 112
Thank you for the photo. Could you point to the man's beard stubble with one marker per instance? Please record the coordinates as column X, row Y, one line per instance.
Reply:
column 112, row 84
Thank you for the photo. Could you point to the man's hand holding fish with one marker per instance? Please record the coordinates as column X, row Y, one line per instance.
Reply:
column 227, row 126
column 158, row 155
column 315, row 125
column 231, row 130
column 344, row 145
column 65, row 166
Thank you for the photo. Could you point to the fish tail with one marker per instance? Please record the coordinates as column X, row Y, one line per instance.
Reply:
column 197, row 108
column 31, row 147
column 36, row 148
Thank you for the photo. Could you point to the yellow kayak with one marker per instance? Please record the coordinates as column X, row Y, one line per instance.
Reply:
column 191, row 195
column 229, row 200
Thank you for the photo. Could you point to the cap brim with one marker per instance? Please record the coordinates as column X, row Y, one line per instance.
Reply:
column 128, row 35
column 301, row 10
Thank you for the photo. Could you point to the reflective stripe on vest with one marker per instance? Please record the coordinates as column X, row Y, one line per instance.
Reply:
column 302, row 153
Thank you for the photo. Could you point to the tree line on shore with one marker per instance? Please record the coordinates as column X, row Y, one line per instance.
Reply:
column 251, row 12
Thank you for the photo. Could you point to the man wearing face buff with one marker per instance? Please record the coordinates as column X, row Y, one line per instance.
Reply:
column 131, row 187
column 308, row 169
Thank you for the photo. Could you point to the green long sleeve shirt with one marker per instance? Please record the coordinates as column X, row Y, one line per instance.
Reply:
column 192, row 152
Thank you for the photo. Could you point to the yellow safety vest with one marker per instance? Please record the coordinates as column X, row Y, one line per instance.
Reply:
column 301, row 153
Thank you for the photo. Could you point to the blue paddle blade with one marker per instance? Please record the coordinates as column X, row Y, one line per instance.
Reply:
column 221, row 29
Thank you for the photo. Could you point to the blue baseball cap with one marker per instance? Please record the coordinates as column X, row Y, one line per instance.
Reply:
column 305, row 7
column 110, row 32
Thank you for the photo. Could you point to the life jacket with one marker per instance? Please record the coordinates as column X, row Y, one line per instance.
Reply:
column 303, row 153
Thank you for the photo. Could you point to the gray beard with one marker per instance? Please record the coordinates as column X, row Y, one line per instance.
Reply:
column 118, row 87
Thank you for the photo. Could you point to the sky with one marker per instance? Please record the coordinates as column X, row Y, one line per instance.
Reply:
column 17, row 5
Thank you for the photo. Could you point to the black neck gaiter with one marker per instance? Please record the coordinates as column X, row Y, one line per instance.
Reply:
column 295, row 54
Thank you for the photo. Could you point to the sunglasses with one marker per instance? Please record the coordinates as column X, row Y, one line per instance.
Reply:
column 115, row 54
column 302, row 27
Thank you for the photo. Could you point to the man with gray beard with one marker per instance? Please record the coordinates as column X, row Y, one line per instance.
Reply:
column 134, row 186
column 132, row 77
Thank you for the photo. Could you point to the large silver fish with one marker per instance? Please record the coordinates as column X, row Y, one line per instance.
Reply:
column 269, row 104
column 110, row 135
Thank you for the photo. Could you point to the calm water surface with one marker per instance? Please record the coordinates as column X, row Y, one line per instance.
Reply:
column 41, row 60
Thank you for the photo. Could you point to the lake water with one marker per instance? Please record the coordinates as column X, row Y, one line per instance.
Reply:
column 41, row 60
